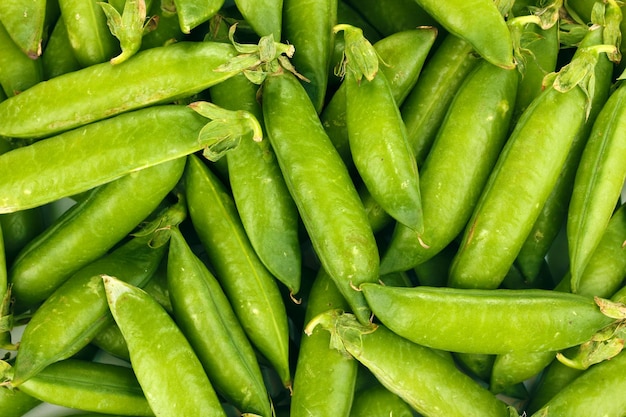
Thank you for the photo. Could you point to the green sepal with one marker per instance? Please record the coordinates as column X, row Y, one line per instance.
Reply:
column 158, row 230
column 339, row 324
column 359, row 55
column 612, row 309
column 604, row 345
column 226, row 128
column 128, row 28
column 608, row 14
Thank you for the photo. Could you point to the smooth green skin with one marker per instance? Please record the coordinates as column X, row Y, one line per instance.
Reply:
column 111, row 340
column 308, row 25
column 476, row 364
column 265, row 16
column 553, row 379
column 458, row 165
column 580, row 10
column 164, row 362
column 193, row 13
column 167, row 31
column 441, row 77
column 480, row 23
column 15, row 403
column 253, row 292
column 96, row 154
column 267, row 211
column 321, row 186
column 19, row 228
column 403, row 55
column 18, row 72
column 325, row 379
column 598, row 184
column 424, row 379
column 595, row 393
column 380, row 150
column 26, row 23
column 201, row 308
column 486, row 321
column 379, row 401
column 515, row 367
column 90, row 37
column 88, row 230
column 104, row 90
column 58, row 57
column 518, row 186
column 434, row 272
column 393, row 16
column 77, row 311
column 79, row 384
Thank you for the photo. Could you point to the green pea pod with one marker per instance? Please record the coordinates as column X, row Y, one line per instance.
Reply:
column 265, row 206
column 25, row 21
column 179, row 387
column 598, row 184
column 319, row 183
column 6, row 317
column 88, row 230
column 515, row 367
column 201, row 308
column 463, row 154
column 308, row 25
column 265, row 16
column 167, row 30
column 191, row 14
column 72, row 316
column 104, row 90
column 379, row 401
column 325, row 379
column 252, row 290
column 486, row 321
column 74, row 383
column 18, row 72
column 87, row 29
column 420, row 376
column 393, row 16
column 111, row 341
column 15, row 403
column 526, row 172
column 58, row 57
column 441, row 77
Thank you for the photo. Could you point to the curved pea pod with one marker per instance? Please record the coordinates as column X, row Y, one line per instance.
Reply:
column 84, row 158
column 110, row 340
column 525, row 173
column 26, row 23
column 324, row 380
column 152, row 337
column 265, row 16
column 486, row 321
column 253, row 292
column 267, row 211
column 515, row 367
column 104, row 90
column 308, row 25
column 321, row 187
column 88, row 230
column 58, row 57
column 15, row 403
column 463, row 154
column 18, row 72
column 596, row 392
column 598, row 184
column 379, row 401
column 201, row 308
column 393, row 16
column 423, row 378
column 77, row 311
column 79, row 384
column 192, row 13
column 441, row 77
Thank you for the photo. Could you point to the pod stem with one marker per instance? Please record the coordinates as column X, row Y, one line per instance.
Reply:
column 359, row 55
column 157, row 232
column 128, row 28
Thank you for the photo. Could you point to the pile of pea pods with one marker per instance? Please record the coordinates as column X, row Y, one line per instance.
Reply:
column 336, row 208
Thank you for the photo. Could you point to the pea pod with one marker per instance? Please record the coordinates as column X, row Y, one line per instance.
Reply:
column 15, row 403
column 151, row 335
column 501, row 320
column 58, row 57
column 104, row 90
column 417, row 374
column 526, row 172
column 345, row 244
column 88, row 230
column 191, row 14
column 379, row 401
column 26, row 24
column 111, row 341
column 393, row 16
column 265, row 16
column 74, row 383
column 18, row 72
column 167, row 30
column 252, row 290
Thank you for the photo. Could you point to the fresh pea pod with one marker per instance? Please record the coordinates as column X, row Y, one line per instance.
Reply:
column 5, row 302
column 430, row 383
column 18, row 72
column 265, row 206
column 325, row 379
column 15, row 403
column 78, row 384
column 88, row 230
column 393, row 16
column 344, row 243
column 167, row 30
column 379, row 401
column 201, row 308
column 72, row 316
column 25, row 21
column 265, row 16
column 463, row 154
column 486, row 321
column 192, row 13
column 526, row 172
column 111, row 341
column 152, row 335
column 58, row 57
column 103, row 90
column 253, row 292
